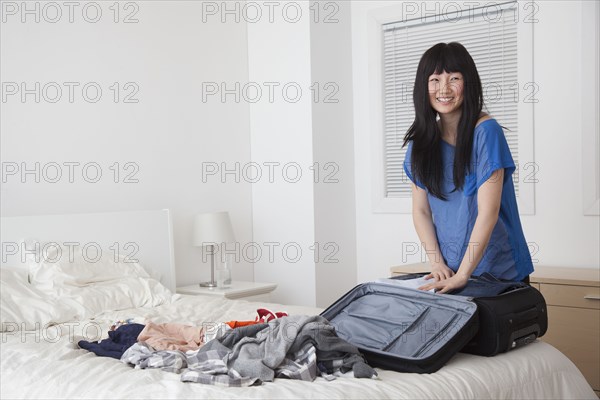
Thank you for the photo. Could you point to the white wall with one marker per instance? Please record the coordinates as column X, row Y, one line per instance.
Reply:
column 563, row 235
column 333, row 149
column 316, row 213
column 169, row 133
column 283, row 210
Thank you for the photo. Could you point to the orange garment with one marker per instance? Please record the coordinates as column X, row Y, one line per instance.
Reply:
column 171, row 336
column 237, row 324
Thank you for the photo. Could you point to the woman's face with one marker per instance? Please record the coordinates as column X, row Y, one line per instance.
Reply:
column 446, row 92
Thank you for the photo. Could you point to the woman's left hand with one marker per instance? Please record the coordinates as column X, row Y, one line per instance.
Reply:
column 455, row 282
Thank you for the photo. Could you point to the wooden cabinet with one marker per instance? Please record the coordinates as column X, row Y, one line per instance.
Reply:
column 573, row 299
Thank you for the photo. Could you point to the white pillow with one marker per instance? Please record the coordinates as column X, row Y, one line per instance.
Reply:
column 98, row 286
column 23, row 307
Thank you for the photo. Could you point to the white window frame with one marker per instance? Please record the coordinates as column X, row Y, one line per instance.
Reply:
column 527, row 169
column 590, row 124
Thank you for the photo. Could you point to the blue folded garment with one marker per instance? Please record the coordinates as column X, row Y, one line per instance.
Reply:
column 117, row 342
column 486, row 285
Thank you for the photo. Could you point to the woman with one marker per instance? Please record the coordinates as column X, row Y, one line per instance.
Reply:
column 464, row 205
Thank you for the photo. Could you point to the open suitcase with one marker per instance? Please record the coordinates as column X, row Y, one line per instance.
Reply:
column 408, row 330
column 403, row 329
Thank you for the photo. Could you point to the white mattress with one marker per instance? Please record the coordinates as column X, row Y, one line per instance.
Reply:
column 37, row 366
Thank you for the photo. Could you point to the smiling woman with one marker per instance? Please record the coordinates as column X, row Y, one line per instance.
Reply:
column 464, row 204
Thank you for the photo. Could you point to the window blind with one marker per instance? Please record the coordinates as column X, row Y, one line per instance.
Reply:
column 490, row 36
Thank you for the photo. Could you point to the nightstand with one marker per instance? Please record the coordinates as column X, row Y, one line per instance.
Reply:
column 251, row 291
column 573, row 299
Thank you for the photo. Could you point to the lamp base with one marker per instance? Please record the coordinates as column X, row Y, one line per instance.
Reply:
column 208, row 284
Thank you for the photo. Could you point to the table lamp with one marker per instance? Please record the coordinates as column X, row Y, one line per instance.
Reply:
column 212, row 229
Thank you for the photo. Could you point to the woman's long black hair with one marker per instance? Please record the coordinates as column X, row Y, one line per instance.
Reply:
column 426, row 157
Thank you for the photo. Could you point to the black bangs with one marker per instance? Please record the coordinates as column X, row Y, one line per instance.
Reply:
column 444, row 57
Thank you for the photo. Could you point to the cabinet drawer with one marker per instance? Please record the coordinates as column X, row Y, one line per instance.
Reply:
column 575, row 331
column 571, row 296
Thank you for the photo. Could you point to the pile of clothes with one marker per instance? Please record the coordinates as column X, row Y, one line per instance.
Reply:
column 237, row 353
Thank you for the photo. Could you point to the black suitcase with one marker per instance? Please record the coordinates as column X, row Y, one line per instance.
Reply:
column 403, row 329
column 514, row 317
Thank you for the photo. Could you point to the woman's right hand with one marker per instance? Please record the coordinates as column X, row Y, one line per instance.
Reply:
column 440, row 272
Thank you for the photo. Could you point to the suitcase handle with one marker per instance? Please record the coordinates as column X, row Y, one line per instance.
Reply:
column 524, row 336
column 523, row 340
column 530, row 313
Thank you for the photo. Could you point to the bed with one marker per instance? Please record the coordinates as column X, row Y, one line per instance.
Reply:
column 47, row 363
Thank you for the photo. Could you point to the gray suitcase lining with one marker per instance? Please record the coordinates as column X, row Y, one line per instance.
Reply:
column 391, row 319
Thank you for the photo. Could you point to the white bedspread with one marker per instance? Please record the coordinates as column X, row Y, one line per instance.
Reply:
column 44, row 366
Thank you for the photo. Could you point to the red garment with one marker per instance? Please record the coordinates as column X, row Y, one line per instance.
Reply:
column 266, row 315
column 237, row 324
column 263, row 316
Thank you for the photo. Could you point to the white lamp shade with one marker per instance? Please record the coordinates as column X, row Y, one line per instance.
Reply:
column 211, row 228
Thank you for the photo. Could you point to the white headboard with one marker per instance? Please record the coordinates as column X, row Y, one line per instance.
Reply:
column 144, row 235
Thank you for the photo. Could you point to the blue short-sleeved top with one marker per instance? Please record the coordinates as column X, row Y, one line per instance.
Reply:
column 507, row 254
